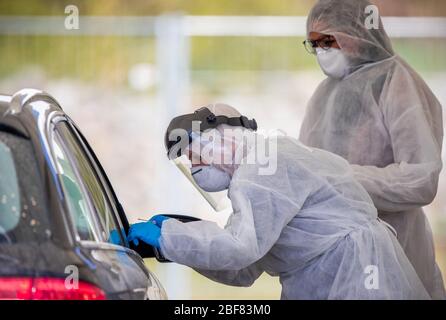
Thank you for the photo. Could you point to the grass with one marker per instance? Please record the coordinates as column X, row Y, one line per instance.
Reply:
column 108, row 58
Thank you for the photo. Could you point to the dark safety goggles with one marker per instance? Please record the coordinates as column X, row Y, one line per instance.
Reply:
column 179, row 132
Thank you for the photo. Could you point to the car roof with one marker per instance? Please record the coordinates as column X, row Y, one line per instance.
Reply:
column 4, row 103
column 16, row 111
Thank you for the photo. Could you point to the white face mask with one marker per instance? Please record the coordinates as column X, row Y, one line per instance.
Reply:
column 210, row 178
column 333, row 62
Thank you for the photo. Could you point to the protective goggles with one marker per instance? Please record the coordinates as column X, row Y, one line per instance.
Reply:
column 324, row 43
column 180, row 130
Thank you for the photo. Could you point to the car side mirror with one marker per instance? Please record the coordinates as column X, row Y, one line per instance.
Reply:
column 147, row 251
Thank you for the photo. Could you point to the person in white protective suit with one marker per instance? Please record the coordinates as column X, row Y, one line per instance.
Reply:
column 308, row 221
column 376, row 112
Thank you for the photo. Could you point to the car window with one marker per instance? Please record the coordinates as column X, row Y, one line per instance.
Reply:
column 75, row 198
column 23, row 209
column 10, row 206
column 95, row 191
column 120, row 217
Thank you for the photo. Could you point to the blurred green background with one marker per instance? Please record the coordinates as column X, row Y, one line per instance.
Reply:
column 111, row 86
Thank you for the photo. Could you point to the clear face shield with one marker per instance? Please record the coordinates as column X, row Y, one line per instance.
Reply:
column 219, row 201
column 199, row 126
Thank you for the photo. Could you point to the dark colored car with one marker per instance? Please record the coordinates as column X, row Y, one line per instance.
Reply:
column 62, row 228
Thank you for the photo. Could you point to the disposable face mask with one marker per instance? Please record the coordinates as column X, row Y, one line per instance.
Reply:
column 218, row 200
column 210, row 178
column 333, row 62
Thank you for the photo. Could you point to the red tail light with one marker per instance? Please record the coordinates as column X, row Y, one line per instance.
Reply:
column 47, row 289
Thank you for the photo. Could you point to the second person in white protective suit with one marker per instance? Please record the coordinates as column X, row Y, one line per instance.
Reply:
column 376, row 112
column 308, row 222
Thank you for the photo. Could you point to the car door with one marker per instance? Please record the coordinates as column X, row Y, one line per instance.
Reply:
column 99, row 230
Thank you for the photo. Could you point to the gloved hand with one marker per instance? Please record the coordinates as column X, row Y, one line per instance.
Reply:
column 115, row 237
column 159, row 219
column 145, row 231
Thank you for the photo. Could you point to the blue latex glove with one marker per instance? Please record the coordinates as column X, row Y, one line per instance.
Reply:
column 159, row 219
column 115, row 238
column 145, row 231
